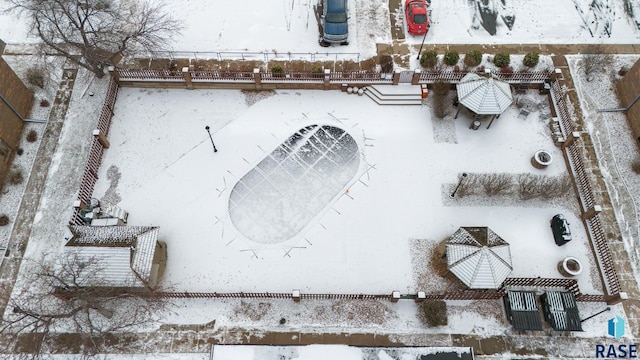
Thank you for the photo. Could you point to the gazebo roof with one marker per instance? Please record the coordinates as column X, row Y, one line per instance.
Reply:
column 484, row 96
column 479, row 257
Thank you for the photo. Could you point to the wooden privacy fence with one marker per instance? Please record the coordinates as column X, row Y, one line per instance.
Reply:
column 586, row 195
column 594, row 227
column 569, row 285
column 90, row 175
column 454, row 77
column 186, row 76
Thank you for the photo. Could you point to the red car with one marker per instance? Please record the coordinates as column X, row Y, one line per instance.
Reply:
column 415, row 11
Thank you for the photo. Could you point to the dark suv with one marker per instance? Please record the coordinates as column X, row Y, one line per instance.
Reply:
column 560, row 228
column 335, row 29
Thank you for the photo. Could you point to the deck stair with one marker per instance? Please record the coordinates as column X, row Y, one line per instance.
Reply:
column 402, row 94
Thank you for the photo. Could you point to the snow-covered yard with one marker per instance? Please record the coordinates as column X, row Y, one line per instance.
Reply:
column 374, row 235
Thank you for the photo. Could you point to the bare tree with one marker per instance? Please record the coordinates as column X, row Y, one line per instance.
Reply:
column 596, row 60
column 56, row 297
column 95, row 33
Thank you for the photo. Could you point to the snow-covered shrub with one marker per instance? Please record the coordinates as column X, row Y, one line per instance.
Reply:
column 44, row 103
column 429, row 58
column 4, row 220
column 556, row 186
column 596, row 60
column 502, row 59
column 451, row 57
column 529, row 185
column 496, row 184
column 473, row 58
column 635, row 166
column 440, row 89
column 470, row 185
column 386, row 63
column 36, row 76
column 32, row 136
column 15, row 176
column 531, row 59
column 434, row 312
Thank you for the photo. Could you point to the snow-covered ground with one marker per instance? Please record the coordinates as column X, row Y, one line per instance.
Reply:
column 374, row 238
column 291, row 26
column 363, row 240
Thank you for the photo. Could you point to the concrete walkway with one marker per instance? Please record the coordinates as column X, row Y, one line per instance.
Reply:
column 35, row 187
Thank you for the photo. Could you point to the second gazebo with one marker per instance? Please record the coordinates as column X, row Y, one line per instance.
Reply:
column 478, row 257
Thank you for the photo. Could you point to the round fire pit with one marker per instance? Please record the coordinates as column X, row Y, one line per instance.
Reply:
column 541, row 159
column 570, row 266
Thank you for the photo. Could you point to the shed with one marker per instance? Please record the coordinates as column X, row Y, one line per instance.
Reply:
column 561, row 311
column 522, row 310
column 127, row 256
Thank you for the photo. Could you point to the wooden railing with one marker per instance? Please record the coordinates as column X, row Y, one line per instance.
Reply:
column 90, row 175
column 586, row 194
column 131, row 76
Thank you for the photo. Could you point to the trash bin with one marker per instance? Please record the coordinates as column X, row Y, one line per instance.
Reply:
column 475, row 125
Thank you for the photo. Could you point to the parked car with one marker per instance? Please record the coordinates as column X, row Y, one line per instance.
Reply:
column 560, row 228
column 335, row 28
column 415, row 11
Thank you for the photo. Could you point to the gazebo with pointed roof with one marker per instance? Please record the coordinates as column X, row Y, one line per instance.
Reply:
column 478, row 257
column 484, row 95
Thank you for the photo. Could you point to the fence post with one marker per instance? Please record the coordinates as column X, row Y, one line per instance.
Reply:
column 396, row 77
column 186, row 74
column 114, row 74
column 616, row 298
column 79, row 204
column 571, row 138
column 595, row 210
column 327, row 79
column 415, row 78
column 421, row 296
column 102, row 139
column 295, row 295
column 395, row 296
column 257, row 78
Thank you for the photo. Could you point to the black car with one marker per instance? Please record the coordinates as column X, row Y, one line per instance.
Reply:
column 560, row 228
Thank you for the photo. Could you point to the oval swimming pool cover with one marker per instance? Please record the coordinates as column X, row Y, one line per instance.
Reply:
column 279, row 197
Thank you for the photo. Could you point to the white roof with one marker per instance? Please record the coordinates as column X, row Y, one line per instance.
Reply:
column 108, row 266
column 119, row 256
column 479, row 257
column 485, row 96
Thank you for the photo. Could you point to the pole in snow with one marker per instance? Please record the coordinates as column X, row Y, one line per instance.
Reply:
column 211, row 138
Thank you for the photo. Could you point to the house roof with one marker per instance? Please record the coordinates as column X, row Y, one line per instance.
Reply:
column 479, row 257
column 121, row 256
column 522, row 310
column 482, row 95
column 561, row 311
